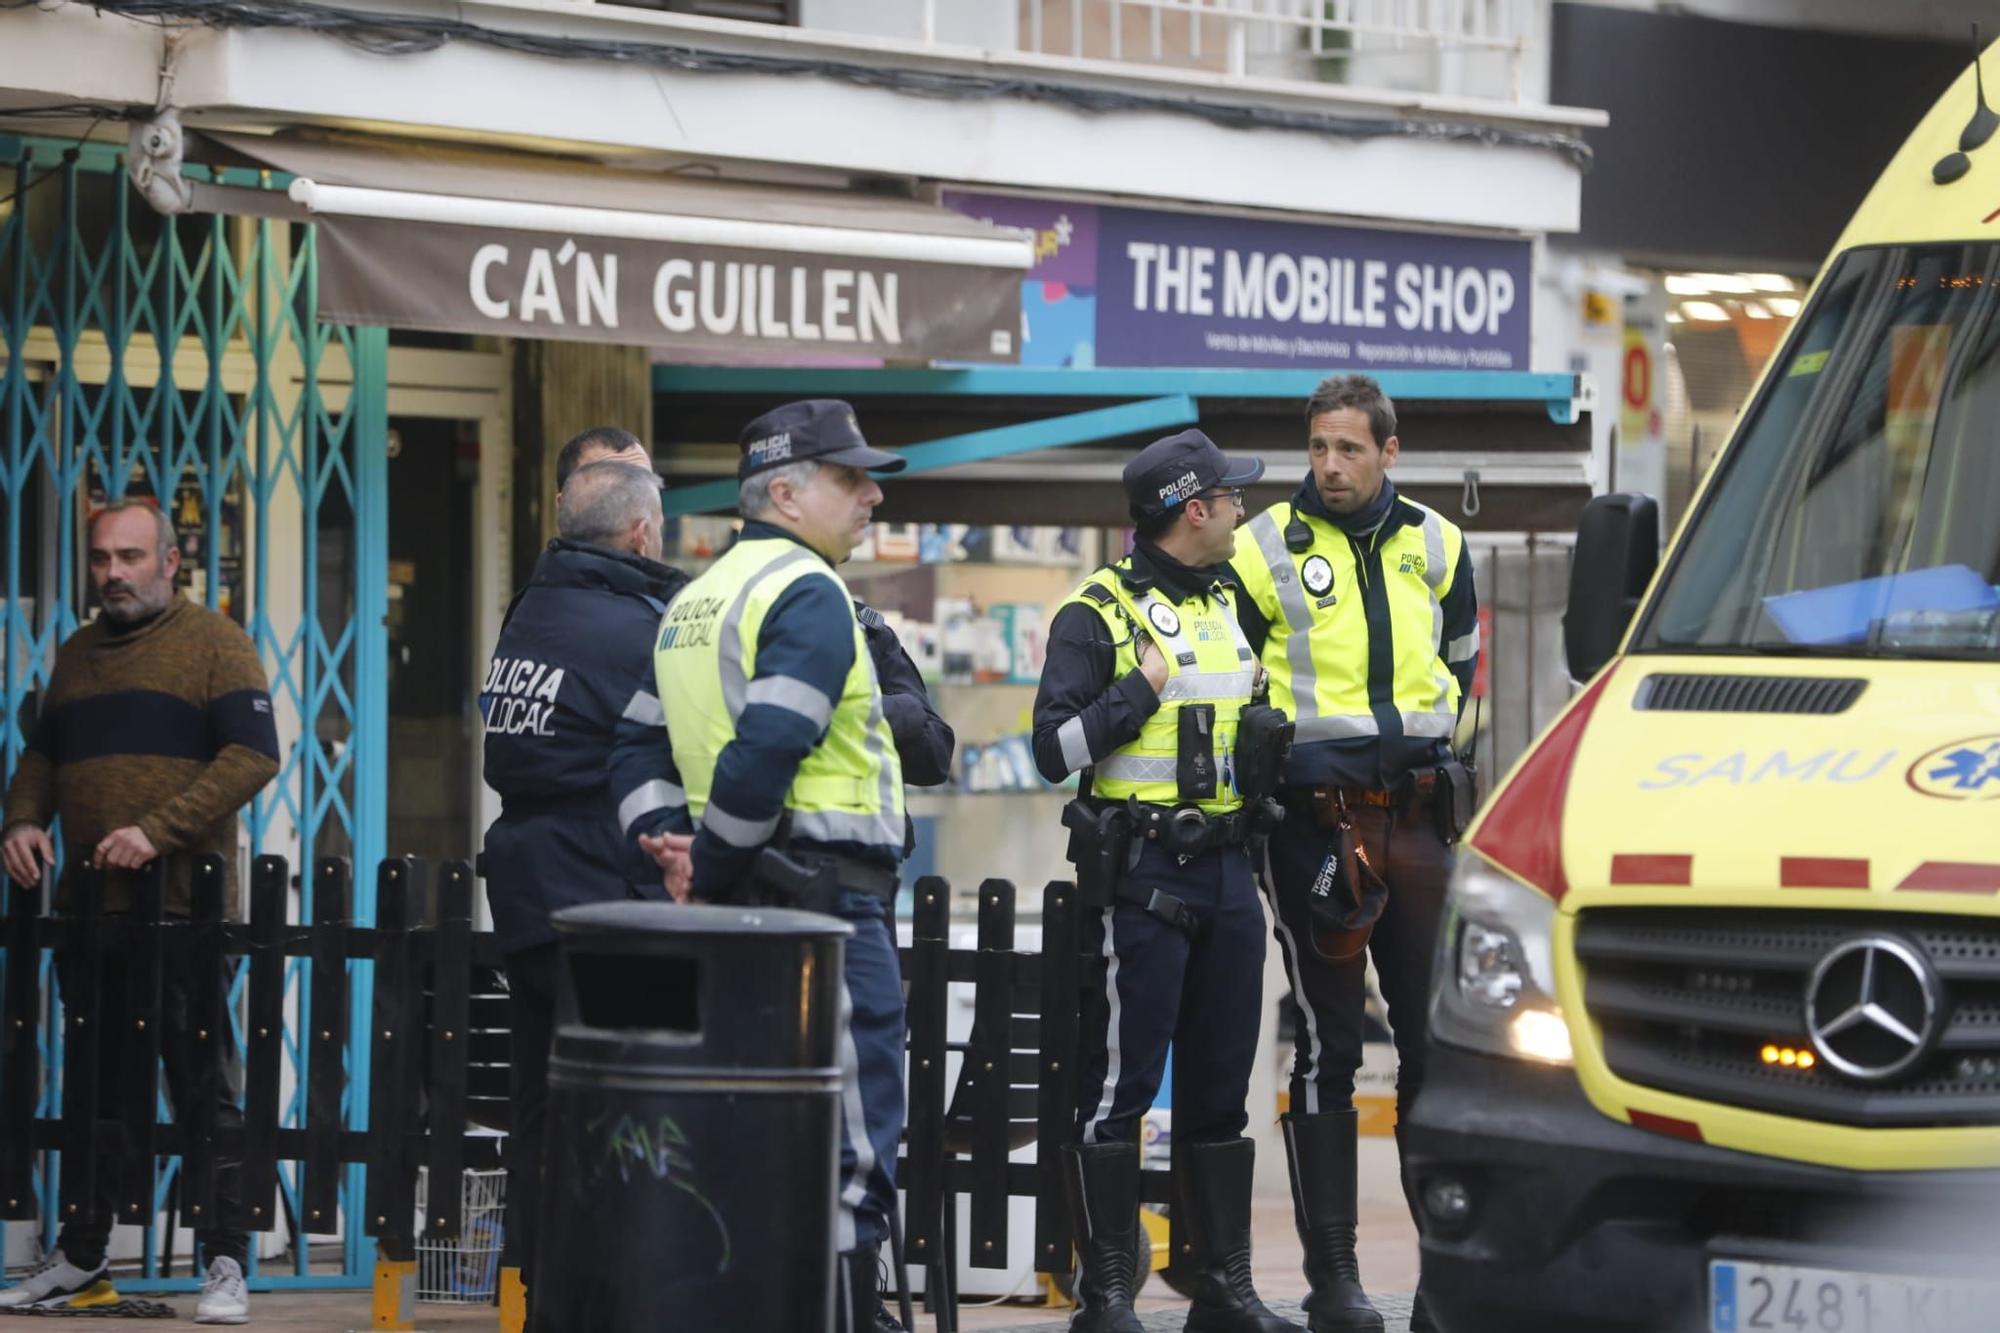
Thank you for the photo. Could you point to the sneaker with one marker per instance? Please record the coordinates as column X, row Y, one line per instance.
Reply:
column 52, row 1282
column 224, row 1298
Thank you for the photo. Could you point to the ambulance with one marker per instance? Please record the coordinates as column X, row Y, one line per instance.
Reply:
column 1716, row 1020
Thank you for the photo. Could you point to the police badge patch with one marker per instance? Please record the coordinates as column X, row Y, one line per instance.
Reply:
column 1163, row 618
column 1317, row 575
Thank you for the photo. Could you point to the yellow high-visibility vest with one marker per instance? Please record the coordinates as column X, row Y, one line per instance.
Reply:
column 1208, row 661
column 850, row 786
column 1323, row 629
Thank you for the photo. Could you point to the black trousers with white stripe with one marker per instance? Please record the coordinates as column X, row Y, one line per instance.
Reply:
column 1329, row 998
column 1148, row 985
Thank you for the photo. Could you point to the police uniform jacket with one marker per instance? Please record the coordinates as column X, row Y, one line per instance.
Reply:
column 777, row 722
column 1369, row 627
column 574, row 659
column 1085, row 709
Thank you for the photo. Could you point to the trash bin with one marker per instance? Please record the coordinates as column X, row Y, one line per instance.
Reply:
column 691, row 1147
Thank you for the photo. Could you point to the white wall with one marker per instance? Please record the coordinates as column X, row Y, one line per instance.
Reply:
column 978, row 23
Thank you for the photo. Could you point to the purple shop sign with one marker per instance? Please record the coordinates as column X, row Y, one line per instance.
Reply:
column 1186, row 289
column 1065, row 232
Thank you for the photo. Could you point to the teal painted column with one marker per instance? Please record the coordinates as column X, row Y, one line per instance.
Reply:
column 369, row 431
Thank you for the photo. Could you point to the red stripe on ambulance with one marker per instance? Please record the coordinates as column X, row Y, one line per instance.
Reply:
column 1823, row 872
column 1632, row 868
column 1953, row 877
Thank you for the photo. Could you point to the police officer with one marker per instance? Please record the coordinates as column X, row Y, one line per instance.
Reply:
column 1145, row 690
column 924, row 740
column 781, row 742
column 1362, row 609
column 573, row 658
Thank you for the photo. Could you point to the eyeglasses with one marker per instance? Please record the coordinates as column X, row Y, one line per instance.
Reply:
column 1231, row 493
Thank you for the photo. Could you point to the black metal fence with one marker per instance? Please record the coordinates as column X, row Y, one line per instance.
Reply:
column 1015, row 1084
column 419, row 1046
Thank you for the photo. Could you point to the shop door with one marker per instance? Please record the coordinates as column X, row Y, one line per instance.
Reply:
column 433, row 717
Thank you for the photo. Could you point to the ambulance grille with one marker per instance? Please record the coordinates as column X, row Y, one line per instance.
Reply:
column 1678, row 692
column 1687, row 1000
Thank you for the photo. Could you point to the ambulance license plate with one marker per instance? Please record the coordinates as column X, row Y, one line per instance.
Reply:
column 1783, row 1298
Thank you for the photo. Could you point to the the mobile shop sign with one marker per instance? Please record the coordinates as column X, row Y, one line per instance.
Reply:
column 1186, row 289
column 691, row 299
column 1179, row 289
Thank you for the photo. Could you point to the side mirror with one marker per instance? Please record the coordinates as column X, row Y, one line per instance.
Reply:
column 1617, row 550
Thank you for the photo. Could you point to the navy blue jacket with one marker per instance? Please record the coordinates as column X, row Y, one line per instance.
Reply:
column 574, row 658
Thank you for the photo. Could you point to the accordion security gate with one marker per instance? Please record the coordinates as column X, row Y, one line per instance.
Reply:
column 182, row 358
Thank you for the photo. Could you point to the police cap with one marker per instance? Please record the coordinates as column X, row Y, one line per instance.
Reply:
column 1168, row 473
column 821, row 429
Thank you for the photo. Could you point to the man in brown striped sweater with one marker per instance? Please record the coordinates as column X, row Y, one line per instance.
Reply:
column 155, row 730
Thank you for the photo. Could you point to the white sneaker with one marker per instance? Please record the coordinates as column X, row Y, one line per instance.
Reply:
column 224, row 1298
column 51, row 1282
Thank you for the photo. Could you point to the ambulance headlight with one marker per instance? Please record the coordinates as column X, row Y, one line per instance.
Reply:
column 1494, row 986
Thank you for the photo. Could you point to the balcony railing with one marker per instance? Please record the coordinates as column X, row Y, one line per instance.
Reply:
column 1420, row 45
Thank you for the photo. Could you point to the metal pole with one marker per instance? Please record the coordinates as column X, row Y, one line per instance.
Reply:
column 1529, row 676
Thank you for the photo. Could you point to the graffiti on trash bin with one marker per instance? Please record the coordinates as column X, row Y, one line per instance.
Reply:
column 660, row 1151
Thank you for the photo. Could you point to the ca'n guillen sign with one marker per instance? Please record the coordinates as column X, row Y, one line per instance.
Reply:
column 684, row 298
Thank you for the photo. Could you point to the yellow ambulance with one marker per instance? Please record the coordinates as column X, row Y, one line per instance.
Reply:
column 1716, row 1021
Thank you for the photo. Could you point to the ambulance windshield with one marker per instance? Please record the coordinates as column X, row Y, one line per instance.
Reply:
column 1859, row 512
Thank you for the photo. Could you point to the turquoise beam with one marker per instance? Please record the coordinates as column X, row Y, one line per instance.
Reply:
column 1103, row 423
column 1560, row 394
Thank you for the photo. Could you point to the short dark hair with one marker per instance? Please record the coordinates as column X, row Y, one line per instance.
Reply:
column 607, row 496
column 1151, row 527
column 1361, row 393
column 163, row 527
column 611, row 439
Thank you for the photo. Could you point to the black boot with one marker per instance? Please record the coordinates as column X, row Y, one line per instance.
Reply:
column 1420, row 1315
column 1322, row 1150
column 1216, row 1188
column 858, row 1303
column 1103, row 1180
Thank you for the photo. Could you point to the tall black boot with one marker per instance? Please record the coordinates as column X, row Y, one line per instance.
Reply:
column 1322, row 1150
column 858, row 1303
column 1103, row 1180
column 1216, row 1188
column 1420, row 1315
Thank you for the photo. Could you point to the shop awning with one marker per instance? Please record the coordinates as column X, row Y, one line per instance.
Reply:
column 425, row 236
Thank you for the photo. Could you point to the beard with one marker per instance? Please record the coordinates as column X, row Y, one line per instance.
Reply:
column 138, row 601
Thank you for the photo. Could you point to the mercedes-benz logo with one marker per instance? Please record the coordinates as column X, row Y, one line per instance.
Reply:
column 1873, row 1007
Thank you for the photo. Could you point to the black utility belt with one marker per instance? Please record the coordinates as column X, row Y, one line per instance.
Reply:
column 814, row 879
column 1186, row 830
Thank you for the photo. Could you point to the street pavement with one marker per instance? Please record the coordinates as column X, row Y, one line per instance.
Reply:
column 1387, row 1250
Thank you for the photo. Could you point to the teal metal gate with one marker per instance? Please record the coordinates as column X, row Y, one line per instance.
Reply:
column 182, row 358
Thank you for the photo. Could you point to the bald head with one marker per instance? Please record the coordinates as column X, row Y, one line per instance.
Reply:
column 616, row 505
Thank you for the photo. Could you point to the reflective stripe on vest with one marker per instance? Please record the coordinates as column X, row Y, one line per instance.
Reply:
column 849, row 787
column 1218, row 669
column 1318, row 652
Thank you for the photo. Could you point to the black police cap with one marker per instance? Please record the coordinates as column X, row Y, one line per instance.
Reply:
column 1168, row 473
column 821, row 429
